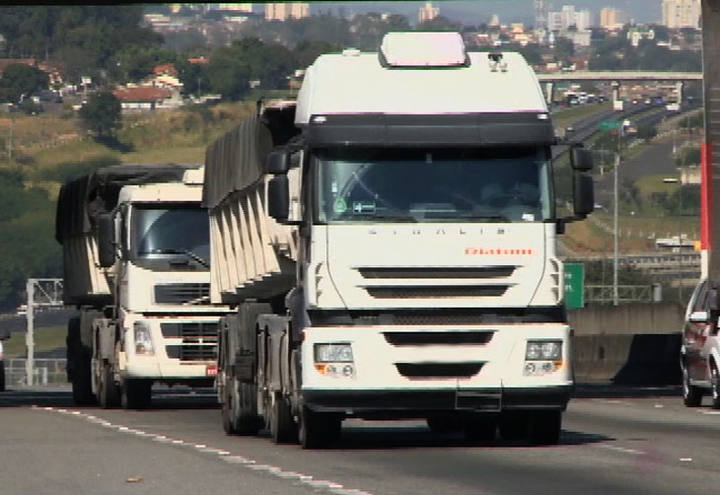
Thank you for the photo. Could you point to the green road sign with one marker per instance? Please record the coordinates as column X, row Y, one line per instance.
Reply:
column 574, row 285
column 610, row 125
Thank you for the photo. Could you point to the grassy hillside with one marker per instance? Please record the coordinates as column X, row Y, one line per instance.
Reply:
column 53, row 148
column 46, row 339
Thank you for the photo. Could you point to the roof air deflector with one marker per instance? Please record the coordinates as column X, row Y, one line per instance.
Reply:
column 423, row 49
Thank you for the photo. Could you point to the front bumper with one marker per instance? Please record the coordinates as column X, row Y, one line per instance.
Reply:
column 410, row 403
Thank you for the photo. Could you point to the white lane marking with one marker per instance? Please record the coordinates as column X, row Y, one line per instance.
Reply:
column 621, row 449
column 323, row 485
column 686, row 459
column 709, row 413
column 658, row 406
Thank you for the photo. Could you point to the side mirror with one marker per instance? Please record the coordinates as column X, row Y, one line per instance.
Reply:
column 278, row 198
column 581, row 159
column 278, row 162
column 583, row 195
column 106, row 239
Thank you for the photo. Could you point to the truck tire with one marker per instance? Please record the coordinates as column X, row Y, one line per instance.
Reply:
column 714, row 386
column 443, row 424
column 2, row 376
column 692, row 396
column 135, row 394
column 235, row 418
column 79, row 367
column 544, row 427
column 317, row 430
column 108, row 391
column 282, row 426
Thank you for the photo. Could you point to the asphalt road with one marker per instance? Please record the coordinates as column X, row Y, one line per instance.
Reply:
column 611, row 443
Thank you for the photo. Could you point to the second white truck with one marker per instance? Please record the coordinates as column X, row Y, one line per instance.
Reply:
column 389, row 240
column 136, row 265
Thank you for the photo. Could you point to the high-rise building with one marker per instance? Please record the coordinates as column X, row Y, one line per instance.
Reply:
column 428, row 12
column 678, row 14
column 568, row 16
column 611, row 18
column 284, row 11
column 541, row 14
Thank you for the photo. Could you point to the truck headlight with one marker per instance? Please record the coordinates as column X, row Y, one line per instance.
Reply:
column 143, row 339
column 542, row 357
column 334, row 360
column 333, row 353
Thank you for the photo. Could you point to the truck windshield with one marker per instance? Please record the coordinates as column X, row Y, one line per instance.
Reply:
column 434, row 185
column 179, row 235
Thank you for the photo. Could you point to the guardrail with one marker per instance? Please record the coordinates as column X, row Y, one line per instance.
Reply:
column 46, row 372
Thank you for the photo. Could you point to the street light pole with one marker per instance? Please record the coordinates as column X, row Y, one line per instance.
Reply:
column 615, row 228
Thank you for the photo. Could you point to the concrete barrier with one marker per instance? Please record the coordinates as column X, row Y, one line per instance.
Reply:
column 633, row 344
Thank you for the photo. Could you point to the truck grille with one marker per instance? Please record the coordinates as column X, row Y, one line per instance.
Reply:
column 439, row 370
column 181, row 293
column 438, row 338
column 435, row 292
column 199, row 340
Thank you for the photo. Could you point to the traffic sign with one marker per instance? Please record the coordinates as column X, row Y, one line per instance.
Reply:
column 610, row 125
column 574, row 285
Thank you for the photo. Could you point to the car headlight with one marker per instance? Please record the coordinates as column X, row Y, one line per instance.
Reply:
column 335, row 360
column 143, row 339
column 543, row 350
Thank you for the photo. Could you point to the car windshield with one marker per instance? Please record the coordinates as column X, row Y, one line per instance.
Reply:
column 180, row 235
column 434, row 185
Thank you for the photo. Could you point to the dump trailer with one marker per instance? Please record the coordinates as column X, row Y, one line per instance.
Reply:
column 389, row 242
column 136, row 264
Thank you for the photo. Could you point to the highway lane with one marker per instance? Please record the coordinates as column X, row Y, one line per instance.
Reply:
column 608, row 445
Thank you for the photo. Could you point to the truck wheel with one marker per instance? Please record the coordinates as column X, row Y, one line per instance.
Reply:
column 108, row 393
column 135, row 394
column 229, row 406
column 81, row 382
column 481, row 430
column 715, row 386
column 2, row 376
column 513, row 426
column 544, row 427
column 282, row 426
column 692, row 396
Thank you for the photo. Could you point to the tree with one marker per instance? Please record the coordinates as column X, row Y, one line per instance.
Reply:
column 19, row 79
column 102, row 114
column 647, row 132
column 564, row 49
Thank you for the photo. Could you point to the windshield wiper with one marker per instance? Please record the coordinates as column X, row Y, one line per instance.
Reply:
column 186, row 252
column 487, row 218
column 392, row 216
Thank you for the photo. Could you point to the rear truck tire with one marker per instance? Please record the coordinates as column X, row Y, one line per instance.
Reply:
column 79, row 366
column 317, row 430
column 108, row 392
column 2, row 376
column 544, row 427
column 715, row 386
column 282, row 426
column 692, row 395
column 481, row 430
column 135, row 394
column 513, row 426
column 237, row 421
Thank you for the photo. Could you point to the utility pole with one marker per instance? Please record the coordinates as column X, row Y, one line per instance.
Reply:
column 615, row 226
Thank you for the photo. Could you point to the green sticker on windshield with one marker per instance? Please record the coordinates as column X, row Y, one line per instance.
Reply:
column 340, row 206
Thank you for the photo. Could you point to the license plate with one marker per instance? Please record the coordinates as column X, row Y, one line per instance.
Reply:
column 211, row 370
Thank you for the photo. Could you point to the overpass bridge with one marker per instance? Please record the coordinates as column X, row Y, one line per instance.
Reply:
column 616, row 78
